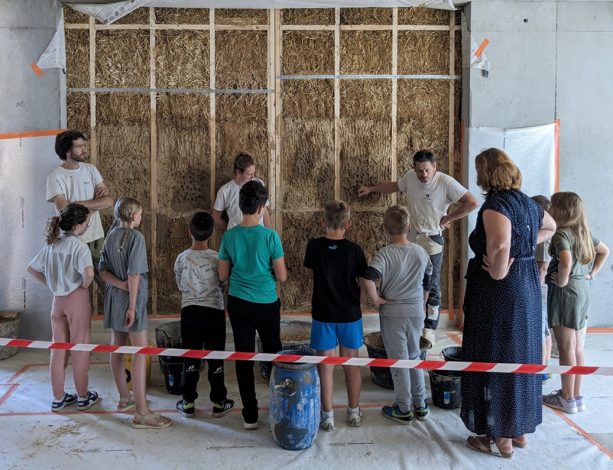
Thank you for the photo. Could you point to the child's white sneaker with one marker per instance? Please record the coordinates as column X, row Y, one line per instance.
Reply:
column 327, row 423
column 354, row 418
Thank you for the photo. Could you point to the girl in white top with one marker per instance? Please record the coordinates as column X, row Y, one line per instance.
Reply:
column 65, row 266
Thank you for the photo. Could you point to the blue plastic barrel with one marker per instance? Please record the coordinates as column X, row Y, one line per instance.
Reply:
column 294, row 403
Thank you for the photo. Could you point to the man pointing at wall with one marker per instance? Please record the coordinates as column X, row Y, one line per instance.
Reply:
column 429, row 193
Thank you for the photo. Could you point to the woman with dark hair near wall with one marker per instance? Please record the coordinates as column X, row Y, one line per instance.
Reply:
column 502, row 308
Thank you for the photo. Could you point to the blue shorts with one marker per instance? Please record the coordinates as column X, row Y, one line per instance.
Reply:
column 326, row 336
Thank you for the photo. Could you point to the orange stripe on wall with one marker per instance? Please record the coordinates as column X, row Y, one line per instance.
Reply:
column 556, row 170
column 21, row 135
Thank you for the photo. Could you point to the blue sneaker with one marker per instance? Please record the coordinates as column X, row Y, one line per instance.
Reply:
column 393, row 412
column 68, row 399
column 86, row 403
column 422, row 412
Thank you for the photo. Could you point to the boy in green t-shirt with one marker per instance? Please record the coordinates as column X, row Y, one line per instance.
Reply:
column 251, row 258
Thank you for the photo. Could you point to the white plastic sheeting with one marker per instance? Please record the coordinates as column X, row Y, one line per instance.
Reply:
column 111, row 12
column 24, row 166
column 532, row 149
column 55, row 54
column 440, row 4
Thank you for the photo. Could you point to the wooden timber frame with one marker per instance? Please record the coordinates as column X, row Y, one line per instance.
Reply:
column 275, row 30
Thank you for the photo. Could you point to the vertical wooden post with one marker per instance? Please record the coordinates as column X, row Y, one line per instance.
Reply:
column 212, row 113
column 450, row 166
column 93, row 140
column 276, row 100
column 337, row 103
column 394, row 165
column 153, row 159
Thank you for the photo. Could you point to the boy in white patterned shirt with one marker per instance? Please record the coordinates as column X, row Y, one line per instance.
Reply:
column 203, row 322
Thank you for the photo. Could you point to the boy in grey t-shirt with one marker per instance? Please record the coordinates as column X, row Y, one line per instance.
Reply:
column 404, row 270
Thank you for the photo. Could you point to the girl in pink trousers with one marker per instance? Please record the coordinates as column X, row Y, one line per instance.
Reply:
column 65, row 266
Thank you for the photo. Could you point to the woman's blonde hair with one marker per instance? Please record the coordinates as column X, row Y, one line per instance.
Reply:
column 125, row 208
column 124, row 211
column 496, row 171
column 568, row 212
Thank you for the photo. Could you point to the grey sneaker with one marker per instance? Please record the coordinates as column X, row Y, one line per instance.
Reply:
column 327, row 424
column 354, row 419
column 557, row 401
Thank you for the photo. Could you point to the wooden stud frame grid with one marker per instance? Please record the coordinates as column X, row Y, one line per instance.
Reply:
column 274, row 30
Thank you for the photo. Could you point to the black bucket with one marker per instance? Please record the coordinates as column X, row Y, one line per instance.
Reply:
column 294, row 335
column 172, row 368
column 381, row 376
column 168, row 335
column 446, row 385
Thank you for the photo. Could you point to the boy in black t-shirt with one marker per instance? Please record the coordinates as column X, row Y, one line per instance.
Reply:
column 337, row 267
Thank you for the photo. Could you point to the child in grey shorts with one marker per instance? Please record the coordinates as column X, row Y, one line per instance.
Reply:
column 403, row 269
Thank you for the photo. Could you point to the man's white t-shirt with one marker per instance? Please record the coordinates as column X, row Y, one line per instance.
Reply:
column 428, row 202
column 63, row 264
column 227, row 200
column 78, row 185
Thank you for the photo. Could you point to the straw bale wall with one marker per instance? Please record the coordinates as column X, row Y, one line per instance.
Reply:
column 298, row 227
column 170, row 140
column 308, row 16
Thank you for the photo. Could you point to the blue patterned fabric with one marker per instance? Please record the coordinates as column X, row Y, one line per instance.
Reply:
column 503, row 324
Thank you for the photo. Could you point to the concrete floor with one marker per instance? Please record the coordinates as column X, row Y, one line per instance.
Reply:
column 33, row 437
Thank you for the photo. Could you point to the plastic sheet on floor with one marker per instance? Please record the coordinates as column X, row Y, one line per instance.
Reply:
column 33, row 437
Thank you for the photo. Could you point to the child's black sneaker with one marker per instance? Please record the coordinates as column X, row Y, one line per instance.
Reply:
column 187, row 409
column 68, row 399
column 220, row 409
column 88, row 401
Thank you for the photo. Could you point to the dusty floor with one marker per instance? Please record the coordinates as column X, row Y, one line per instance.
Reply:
column 33, row 437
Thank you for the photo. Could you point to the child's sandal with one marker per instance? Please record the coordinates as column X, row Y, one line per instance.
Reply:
column 150, row 421
column 125, row 404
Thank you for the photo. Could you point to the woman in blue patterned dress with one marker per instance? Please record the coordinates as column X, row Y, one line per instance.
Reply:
column 502, row 308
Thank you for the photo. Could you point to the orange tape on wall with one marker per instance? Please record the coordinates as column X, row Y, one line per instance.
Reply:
column 20, row 135
column 37, row 70
column 482, row 47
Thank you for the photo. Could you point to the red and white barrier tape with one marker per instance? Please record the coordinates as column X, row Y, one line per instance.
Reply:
column 334, row 360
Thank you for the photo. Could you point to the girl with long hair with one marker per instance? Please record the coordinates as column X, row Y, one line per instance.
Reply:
column 576, row 259
column 124, row 268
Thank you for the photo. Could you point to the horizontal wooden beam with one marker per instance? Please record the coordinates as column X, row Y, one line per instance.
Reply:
column 258, row 27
